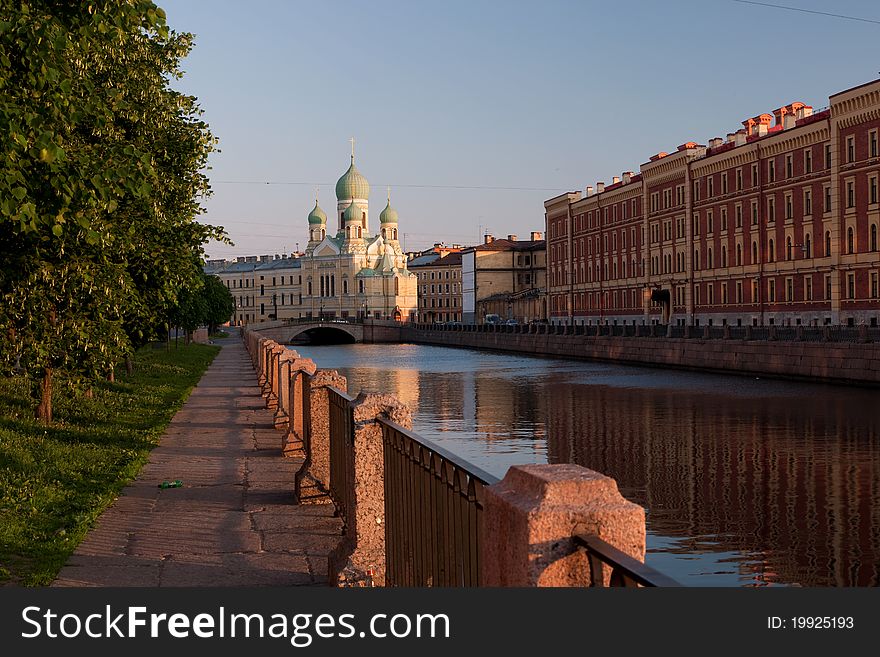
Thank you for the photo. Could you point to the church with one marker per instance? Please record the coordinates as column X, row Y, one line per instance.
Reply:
column 350, row 271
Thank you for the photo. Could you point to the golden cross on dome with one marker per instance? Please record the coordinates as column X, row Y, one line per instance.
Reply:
column 352, row 148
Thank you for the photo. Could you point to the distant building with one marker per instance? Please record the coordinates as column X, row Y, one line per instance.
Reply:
column 776, row 224
column 506, row 277
column 439, row 279
column 263, row 287
column 351, row 272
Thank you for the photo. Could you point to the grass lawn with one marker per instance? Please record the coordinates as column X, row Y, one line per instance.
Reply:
column 55, row 481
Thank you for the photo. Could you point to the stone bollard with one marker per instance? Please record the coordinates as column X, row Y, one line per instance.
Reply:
column 272, row 376
column 361, row 554
column 530, row 517
column 294, row 441
column 312, row 481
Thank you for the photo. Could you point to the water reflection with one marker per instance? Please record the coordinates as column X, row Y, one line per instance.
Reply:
column 746, row 482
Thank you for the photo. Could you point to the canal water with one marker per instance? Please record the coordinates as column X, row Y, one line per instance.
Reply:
column 746, row 481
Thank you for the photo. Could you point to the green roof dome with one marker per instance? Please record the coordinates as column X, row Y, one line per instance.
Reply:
column 317, row 216
column 352, row 184
column 353, row 213
column 388, row 215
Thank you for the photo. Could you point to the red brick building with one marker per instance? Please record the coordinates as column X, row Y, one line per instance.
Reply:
column 776, row 224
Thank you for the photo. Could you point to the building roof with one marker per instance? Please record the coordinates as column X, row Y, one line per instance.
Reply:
column 449, row 260
column 352, row 184
column 423, row 260
column 510, row 245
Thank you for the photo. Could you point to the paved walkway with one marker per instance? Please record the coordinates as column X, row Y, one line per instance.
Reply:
column 233, row 523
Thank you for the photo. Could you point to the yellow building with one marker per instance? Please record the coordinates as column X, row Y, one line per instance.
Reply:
column 351, row 272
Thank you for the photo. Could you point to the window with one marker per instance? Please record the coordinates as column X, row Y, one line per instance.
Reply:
column 771, row 210
column 808, row 202
column 851, row 286
column 808, row 246
column 770, row 251
column 724, row 218
column 724, row 293
column 771, row 170
column 827, row 287
column 755, row 290
column 771, row 291
column 739, row 292
column 808, row 160
column 874, row 284
column 827, row 156
column 789, row 207
column 709, row 262
column 739, row 215
column 710, row 293
column 739, row 255
column 709, row 222
column 739, row 179
column 872, row 190
column 850, row 240
column 808, row 288
column 872, row 143
column 788, row 249
column 789, row 289
column 754, row 213
column 709, row 182
column 754, row 253
column 850, row 194
column 828, row 198
column 723, row 256
column 723, row 183
column 873, row 238
column 754, row 175
column 850, row 149
column 789, row 168
column 827, row 243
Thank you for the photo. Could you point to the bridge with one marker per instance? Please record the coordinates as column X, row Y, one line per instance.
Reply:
column 313, row 330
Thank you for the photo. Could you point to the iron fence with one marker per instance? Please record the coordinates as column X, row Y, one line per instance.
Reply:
column 433, row 512
column 341, row 452
column 625, row 571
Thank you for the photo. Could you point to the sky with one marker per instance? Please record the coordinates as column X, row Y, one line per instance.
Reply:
column 476, row 112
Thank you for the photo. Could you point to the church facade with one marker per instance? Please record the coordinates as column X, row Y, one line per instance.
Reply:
column 348, row 270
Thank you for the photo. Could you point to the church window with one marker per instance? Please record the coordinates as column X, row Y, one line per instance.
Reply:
column 345, row 286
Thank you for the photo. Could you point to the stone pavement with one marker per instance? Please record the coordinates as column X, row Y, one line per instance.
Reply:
column 234, row 522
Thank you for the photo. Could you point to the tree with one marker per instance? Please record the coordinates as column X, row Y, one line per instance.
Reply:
column 219, row 304
column 100, row 184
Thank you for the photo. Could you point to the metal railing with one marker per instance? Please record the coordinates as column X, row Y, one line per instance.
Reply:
column 625, row 571
column 341, row 452
column 434, row 505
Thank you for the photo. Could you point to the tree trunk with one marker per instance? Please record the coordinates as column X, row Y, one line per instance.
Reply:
column 176, row 336
column 44, row 408
column 89, row 394
column 129, row 365
column 111, row 376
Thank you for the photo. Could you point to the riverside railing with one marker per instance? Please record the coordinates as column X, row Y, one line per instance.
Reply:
column 341, row 451
column 434, row 504
column 417, row 515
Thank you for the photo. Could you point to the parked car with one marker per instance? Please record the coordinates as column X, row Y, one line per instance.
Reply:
column 492, row 319
column 511, row 322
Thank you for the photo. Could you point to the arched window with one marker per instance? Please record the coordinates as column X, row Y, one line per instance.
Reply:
column 345, row 286
column 332, row 285
column 771, row 255
column 849, row 240
column 322, row 286
column 310, row 287
column 323, row 233
column 394, row 233
column 739, row 255
column 827, row 243
column 754, row 253
column 709, row 259
column 723, row 256
column 359, row 229
column 383, row 233
column 361, row 286
column 873, row 237
column 396, row 286
column 788, row 249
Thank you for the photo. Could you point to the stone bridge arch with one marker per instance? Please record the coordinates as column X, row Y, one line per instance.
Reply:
column 320, row 332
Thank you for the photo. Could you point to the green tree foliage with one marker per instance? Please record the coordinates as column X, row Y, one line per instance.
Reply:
column 219, row 304
column 100, row 184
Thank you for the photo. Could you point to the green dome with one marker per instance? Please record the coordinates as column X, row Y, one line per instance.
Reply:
column 388, row 215
column 352, row 184
column 317, row 216
column 352, row 213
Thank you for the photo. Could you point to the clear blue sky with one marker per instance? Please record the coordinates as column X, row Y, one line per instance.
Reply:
column 547, row 95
